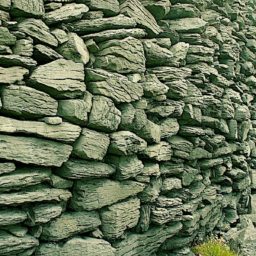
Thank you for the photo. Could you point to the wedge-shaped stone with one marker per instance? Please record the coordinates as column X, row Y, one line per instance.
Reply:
column 66, row 13
column 34, row 194
column 119, row 217
column 6, row 37
column 116, row 34
column 78, row 247
column 7, row 167
column 24, row 177
column 25, row 8
column 69, row 224
column 97, row 193
column 180, row 143
column 80, row 169
column 12, row 217
column 12, row 75
column 27, row 102
column 12, row 245
column 104, row 115
column 135, row 10
column 75, row 49
column 178, row 89
column 91, row 145
column 126, row 166
column 44, row 54
column 186, row 25
column 126, row 143
column 113, row 85
column 147, row 243
column 65, row 132
column 108, row 7
column 121, row 56
column 37, row 30
column 158, row 9
column 33, row 151
column 17, row 60
column 159, row 152
column 156, row 55
column 43, row 213
column 169, row 127
column 95, row 25
column 151, row 132
column 60, row 78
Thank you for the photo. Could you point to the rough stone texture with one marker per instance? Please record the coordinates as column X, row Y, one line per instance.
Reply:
column 12, row 217
column 60, row 78
column 12, row 75
column 29, row 102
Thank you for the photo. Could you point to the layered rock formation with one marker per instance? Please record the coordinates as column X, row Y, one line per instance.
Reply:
column 127, row 128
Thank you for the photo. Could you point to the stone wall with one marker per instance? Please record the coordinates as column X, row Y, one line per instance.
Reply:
column 126, row 128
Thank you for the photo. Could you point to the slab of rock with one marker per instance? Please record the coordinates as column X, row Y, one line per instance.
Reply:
column 37, row 30
column 159, row 152
column 170, row 184
column 69, row 224
column 91, row 145
column 17, row 60
column 24, row 177
column 60, row 78
column 24, row 47
column 108, row 7
column 66, row 13
column 7, row 167
column 116, row 34
column 5, row 5
column 24, row 8
column 34, row 151
column 18, row 244
column 186, row 25
column 6, row 38
column 27, row 102
column 65, row 132
column 75, row 110
column 80, row 169
column 12, row 75
column 95, row 25
column 121, row 56
column 75, row 49
column 158, row 9
column 147, row 243
column 179, row 11
column 44, row 54
column 126, row 143
column 43, row 213
column 34, row 194
column 104, row 116
column 136, row 10
column 97, row 193
column 126, row 166
column 119, row 217
column 169, row 127
column 78, row 247
column 113, row 85
column 12, row 217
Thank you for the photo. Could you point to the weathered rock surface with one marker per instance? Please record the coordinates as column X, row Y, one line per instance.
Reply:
column 94, row 194
column 34, row 8
column 12, row 217
column 60, row 78
column 34, row 151
column 118, row 217
column 79, row 169
column 66, row 13
column 87, row 148
column 108, row 7
column 7, row 167
column 158, row 9
column 65, row 132
column 6, row 38
column 29, row 102
column 122, row 56
column 12, row 75
column 78, row 222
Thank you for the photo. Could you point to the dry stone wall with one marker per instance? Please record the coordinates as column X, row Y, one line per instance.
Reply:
column 127, row 128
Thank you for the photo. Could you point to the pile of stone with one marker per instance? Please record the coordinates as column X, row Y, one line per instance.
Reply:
column 127, row 128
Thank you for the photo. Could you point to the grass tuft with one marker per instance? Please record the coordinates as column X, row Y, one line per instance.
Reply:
column 213, row 247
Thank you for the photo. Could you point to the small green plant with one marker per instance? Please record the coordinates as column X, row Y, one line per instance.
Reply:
column 213, row 247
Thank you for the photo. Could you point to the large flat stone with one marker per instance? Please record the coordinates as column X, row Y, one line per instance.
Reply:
column 12, row 75
column 25, row 8
column 12, row 216
column 33, row 151
column 69, row 224
column 97, row 193
column 113, row 85
column 77, row 247
column 79, row 169
column 65, row 132
column 27, row 102
column 108, row 7
column 60, row 78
